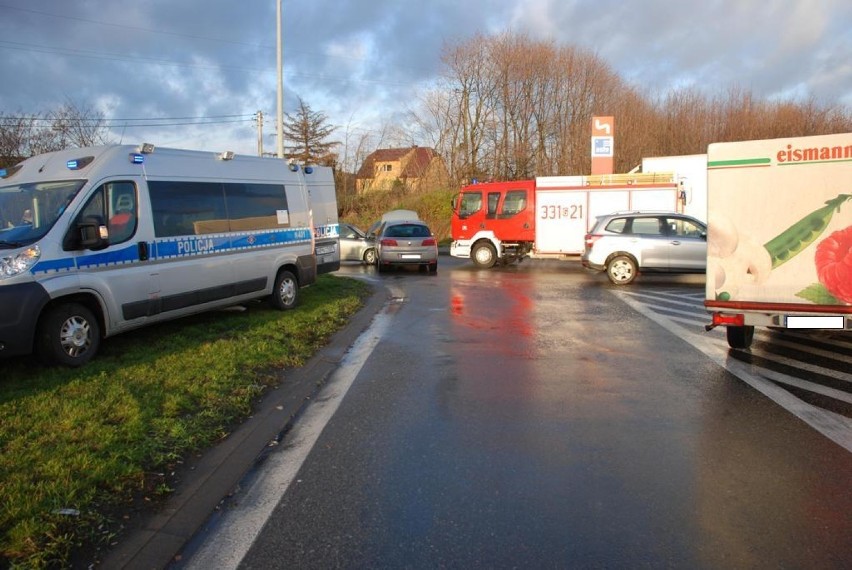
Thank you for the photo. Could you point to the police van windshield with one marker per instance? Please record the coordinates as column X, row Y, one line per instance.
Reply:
column 29, row 210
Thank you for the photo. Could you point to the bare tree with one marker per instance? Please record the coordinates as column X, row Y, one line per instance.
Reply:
column 76, row 126
column 24, row 135
column 509, row 107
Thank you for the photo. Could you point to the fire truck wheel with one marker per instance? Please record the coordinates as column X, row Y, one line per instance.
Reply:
column 484, row 255
column 621, row 270
column 740, row 337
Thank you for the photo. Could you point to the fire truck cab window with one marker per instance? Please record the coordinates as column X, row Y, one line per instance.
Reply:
column 493, row 200
column 514, row 203
column 471, row 203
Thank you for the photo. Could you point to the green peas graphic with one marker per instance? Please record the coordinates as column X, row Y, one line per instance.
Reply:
column 803, row 233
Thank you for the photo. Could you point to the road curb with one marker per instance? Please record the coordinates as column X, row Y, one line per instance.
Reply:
column 157, row 539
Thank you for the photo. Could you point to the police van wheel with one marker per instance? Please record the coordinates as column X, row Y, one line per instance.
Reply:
column 69, row 335
column 286, row 291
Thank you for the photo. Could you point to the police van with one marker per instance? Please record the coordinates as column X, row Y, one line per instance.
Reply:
column 97, row 241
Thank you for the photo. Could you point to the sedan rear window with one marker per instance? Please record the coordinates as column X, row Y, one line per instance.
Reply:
column 408, row 230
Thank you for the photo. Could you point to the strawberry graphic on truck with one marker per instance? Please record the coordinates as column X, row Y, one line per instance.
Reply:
column 779, row 245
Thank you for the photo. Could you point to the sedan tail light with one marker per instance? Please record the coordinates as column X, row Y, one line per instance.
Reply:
column 389, row 242
column 430, row 241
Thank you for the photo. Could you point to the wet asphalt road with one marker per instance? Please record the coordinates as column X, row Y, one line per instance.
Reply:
column 523, row 417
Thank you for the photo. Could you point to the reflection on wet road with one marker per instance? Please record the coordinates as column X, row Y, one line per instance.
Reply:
column 527, row 417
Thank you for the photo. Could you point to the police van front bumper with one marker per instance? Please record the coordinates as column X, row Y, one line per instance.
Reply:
column 22, row 303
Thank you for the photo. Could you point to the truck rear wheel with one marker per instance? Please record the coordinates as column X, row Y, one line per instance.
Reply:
column 740, row 337
column 68, row 334
column 484, row 255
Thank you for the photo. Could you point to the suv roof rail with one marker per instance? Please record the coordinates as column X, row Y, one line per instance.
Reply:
column 623, row 212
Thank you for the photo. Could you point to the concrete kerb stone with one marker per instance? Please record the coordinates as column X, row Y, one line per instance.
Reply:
column 155, row 540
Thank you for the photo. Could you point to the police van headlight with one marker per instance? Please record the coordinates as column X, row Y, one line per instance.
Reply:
column 21, row 262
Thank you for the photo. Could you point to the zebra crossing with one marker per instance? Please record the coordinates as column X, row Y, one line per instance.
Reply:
column 809, row 373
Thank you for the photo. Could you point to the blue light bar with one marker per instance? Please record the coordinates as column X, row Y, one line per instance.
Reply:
column 309, row 169
column 137, row 158
column 78, row 163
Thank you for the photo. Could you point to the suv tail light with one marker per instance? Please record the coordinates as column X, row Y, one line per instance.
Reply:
column 590, row 239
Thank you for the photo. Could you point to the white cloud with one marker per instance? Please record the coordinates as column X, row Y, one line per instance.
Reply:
column 361, row 62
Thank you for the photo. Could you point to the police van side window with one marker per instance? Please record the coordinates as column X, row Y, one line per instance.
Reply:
column 256, row 206
column 114, row 205
column 197, row 208
column 122, row 210
column 187, row 208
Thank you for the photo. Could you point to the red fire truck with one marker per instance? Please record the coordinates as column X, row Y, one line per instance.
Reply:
column 548, row 217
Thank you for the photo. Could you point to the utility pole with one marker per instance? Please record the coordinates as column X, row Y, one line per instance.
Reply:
column 259, row 133
column 280, row 117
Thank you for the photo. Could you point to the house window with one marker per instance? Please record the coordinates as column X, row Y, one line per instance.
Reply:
column 387, row 167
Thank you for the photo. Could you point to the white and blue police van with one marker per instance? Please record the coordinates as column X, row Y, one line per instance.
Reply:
column 101, row 240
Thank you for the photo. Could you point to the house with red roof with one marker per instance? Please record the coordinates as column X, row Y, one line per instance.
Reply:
column 415, row 167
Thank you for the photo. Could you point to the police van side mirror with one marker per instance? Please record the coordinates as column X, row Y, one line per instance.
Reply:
column 93, row 233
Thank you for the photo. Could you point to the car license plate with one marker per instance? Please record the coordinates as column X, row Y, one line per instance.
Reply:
column 325, row 249
column 409, row 256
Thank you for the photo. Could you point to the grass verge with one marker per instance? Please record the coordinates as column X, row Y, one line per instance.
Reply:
column 76, row 446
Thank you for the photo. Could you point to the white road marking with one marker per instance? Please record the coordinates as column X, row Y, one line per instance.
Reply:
column 239, row 525
column 836, row 427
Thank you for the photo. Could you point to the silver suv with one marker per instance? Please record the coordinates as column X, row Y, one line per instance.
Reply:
column 625, row 243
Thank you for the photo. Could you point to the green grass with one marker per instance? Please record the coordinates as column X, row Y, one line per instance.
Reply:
column 99, row 439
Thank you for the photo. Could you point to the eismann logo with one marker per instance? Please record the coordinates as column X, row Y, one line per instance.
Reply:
column 793, row 154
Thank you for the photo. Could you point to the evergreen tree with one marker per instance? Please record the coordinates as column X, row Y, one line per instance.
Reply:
column 308, row 131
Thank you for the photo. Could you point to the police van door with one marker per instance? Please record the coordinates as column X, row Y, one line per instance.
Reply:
column 192, row 246
column 119, row 272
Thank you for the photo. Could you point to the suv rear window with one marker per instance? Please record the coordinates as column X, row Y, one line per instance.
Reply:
column 646, row 226
column 617, row 225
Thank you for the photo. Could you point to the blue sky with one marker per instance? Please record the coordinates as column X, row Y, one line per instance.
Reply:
column 364, row 62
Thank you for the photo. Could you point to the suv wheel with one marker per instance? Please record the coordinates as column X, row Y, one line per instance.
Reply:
column 621, row 270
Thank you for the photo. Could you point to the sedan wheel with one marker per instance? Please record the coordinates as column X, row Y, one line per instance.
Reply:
column 370, row 257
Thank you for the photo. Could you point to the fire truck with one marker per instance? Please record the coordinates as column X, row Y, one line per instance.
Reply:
column 548, row 217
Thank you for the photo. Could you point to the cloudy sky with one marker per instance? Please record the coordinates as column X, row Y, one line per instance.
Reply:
column 168, row 63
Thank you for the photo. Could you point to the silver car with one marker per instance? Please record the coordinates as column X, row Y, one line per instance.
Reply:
column 624, row 244
column 355, row 245
column 406, row 243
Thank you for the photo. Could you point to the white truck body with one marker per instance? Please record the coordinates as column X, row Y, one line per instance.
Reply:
column 690, row 173
column 566, row 207
column 779, row 248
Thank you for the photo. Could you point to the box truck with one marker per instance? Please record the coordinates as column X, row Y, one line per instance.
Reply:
column 779, row 247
